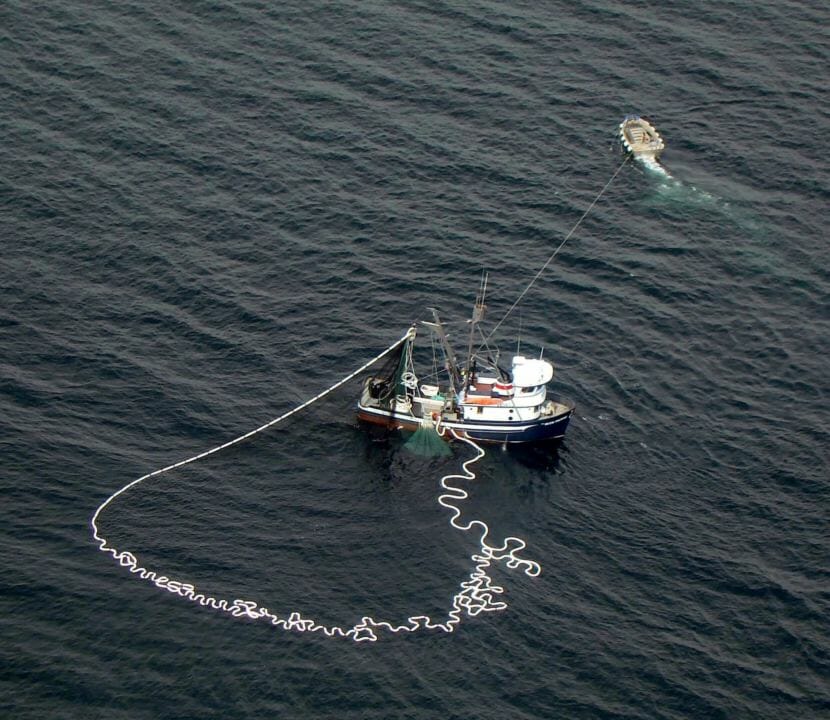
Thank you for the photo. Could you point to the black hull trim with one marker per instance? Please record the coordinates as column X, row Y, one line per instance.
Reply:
column 542, row 430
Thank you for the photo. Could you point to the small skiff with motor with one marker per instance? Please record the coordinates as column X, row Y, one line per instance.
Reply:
column 640, row 137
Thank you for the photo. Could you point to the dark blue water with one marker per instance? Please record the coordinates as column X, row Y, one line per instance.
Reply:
column 213, row 210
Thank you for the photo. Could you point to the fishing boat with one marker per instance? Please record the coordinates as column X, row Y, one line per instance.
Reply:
column 640, row 137
column 481, row 401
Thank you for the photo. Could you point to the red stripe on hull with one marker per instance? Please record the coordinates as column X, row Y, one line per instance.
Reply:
column 392, row 423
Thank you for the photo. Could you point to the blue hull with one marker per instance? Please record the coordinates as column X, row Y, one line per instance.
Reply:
column 553, row 429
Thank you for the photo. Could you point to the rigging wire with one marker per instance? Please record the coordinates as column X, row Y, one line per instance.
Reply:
column 556, row 252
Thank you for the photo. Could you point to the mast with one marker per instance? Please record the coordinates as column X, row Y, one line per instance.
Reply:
column 451, row 365
column 478, row 316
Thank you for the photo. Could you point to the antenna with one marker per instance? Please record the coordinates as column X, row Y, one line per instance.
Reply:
column 519, row 339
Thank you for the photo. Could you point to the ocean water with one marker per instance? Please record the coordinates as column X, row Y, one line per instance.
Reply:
column 211, row 211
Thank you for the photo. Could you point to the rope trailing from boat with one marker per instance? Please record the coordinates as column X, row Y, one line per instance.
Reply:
column 556, row 252
column 476, row 594
column 225, row 446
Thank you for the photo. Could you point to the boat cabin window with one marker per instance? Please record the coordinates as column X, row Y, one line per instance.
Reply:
column 531, row 389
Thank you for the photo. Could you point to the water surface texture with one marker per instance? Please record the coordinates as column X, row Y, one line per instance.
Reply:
column 213, row 210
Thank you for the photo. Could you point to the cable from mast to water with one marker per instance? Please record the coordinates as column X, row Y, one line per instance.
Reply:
column 556, row 252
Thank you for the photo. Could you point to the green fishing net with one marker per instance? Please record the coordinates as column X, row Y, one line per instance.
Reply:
column 426, row 442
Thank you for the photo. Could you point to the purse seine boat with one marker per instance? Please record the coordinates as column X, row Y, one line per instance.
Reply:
column 481, row 401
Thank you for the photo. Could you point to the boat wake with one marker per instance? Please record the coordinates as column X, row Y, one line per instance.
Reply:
column 477, row 594
column 654, row 166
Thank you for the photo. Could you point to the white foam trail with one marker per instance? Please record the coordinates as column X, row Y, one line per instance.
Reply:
column 653, row 165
